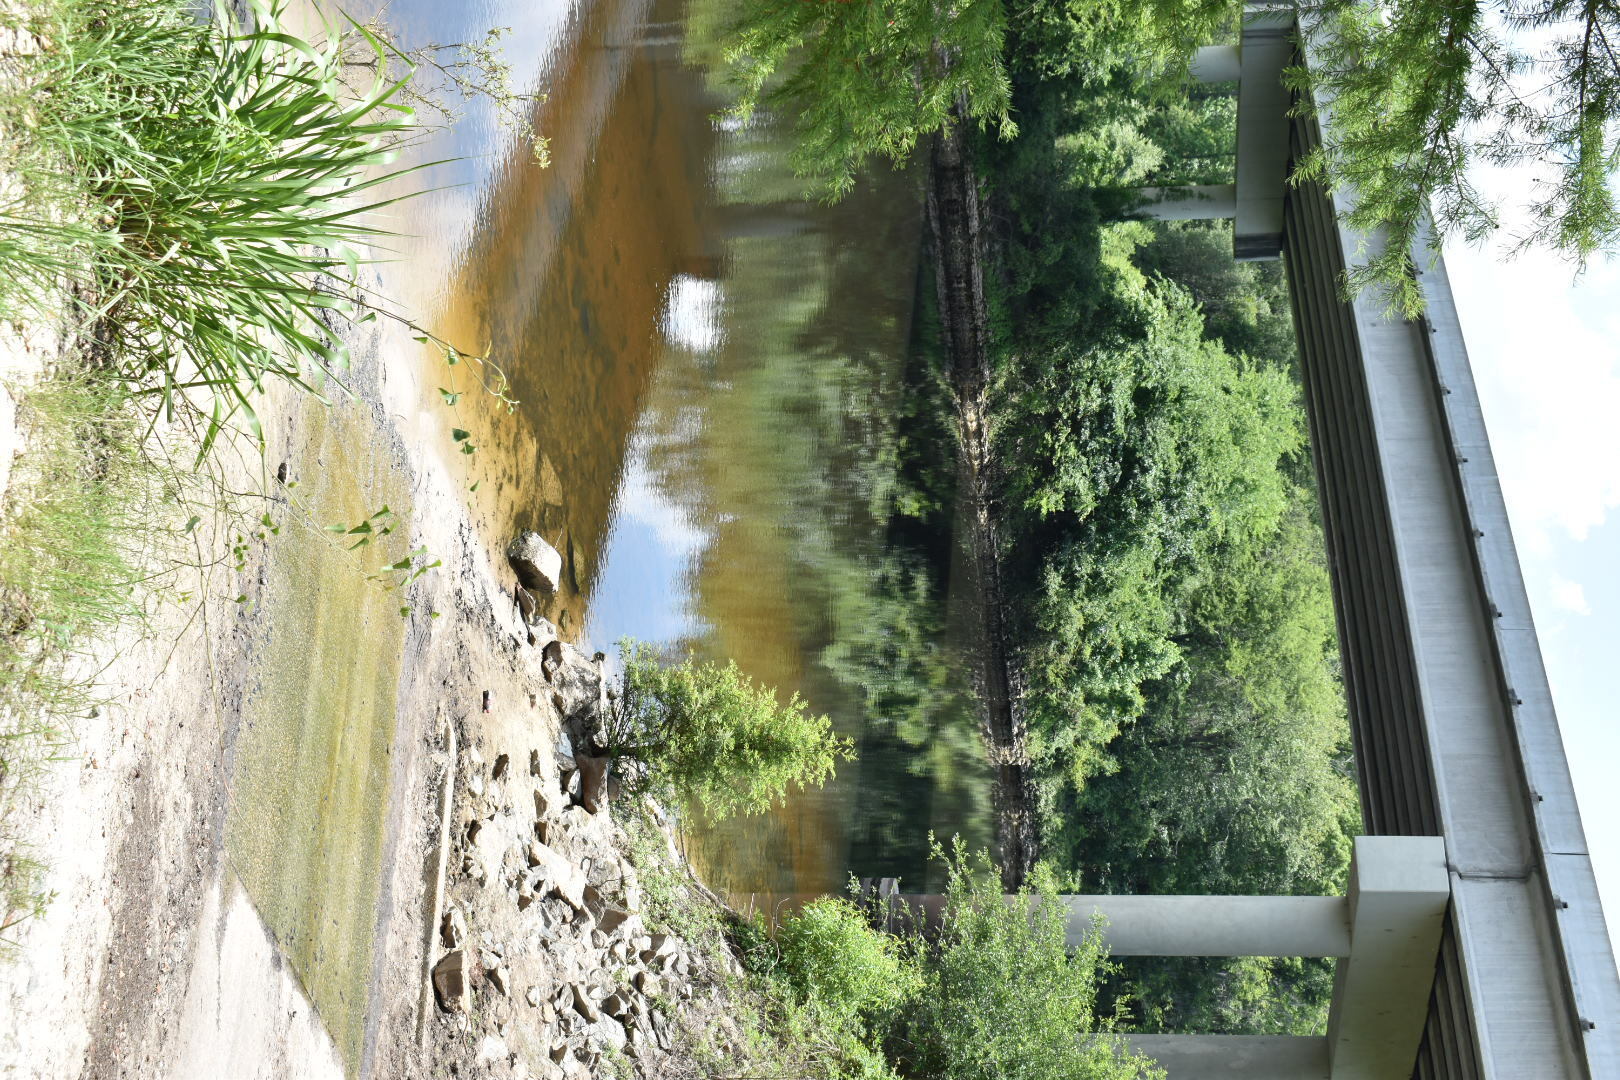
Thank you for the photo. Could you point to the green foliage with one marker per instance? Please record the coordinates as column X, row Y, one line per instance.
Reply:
column 829, row 954
column 1424, row 91
column 1134, row 457
column 1004, row 995
column 867, row 79
column 1177, row 643
column 74, row 516
column 207, row 182
column 715, row 738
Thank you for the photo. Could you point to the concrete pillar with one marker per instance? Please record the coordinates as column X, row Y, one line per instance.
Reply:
column 1195, row 202
column 1217, row 63
column 1399, row 889
column 1215, row 925
column 1237, row 1057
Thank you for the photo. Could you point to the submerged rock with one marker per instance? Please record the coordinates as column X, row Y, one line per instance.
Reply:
column 536, row 563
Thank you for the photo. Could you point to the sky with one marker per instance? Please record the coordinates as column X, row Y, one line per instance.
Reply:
column 1545, row 348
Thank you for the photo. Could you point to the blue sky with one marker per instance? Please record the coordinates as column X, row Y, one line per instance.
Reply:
column 1545, row 347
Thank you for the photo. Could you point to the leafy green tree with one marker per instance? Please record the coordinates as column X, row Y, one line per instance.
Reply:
column 1133, row 457
column 1245, row 304
column 1423, row 91
column 867, row 79
column 713, row 737
column 1004, row 995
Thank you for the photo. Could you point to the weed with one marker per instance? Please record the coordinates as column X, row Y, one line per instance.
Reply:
column 75, row 514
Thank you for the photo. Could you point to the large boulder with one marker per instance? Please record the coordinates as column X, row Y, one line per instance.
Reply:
column 536, row 563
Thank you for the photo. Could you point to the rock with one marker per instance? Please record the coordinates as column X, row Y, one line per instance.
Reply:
column 532, row 996
column 569, row 782
column 547, row 802
column 499, row 978
column 616, row 1005
column 610, row 1033
column 536, row 854
column 611, row 918
column 559, row 876
column 536, row 563
column 528, row 606
column 649, row 984
column 491, row 1048
column 535, row 768
column 525, row 894
column 593, row 775
column 502, row 763
column 551, row 659
column 642, row 1039
column 584, row 1005
column 659, row 947
column 453, row 929
column 450, row 981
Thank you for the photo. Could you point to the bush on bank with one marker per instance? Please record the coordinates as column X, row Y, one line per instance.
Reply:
column 993, row 992
column 712, row 737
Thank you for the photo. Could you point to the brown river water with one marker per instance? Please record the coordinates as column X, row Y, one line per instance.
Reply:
column 712, row 428
column 708, row 366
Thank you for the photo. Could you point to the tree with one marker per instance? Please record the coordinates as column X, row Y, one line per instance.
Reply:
column 710, row 735
column 869, row 78
column 1423, row 91
column 1136, row 453
column 1004, row 995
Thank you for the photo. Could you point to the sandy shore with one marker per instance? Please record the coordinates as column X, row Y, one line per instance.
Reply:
column 171, row 949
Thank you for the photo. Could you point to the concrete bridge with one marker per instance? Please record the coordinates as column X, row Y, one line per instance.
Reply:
column 1494, row 962
column 1471, row 944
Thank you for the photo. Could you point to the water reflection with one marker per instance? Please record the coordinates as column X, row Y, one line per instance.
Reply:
column 713, row 378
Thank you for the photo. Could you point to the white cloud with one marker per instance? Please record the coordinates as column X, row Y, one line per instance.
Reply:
column 1567, row 595
column 1544, row 356
column 692, row 313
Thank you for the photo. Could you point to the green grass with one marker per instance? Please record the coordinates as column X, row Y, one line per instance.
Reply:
column 209, row 185
column 73, row 521
column 191, row 197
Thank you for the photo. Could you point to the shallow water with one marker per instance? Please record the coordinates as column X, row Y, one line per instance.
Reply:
column 708, row 366
column 709, row 374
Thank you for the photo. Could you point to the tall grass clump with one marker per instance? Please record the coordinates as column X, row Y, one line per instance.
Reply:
column 72, row 529
column 208, row 185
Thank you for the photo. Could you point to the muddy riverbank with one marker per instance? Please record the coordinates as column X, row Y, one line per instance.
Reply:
column 256, row 837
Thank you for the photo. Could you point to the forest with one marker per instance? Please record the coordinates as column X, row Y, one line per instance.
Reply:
column 1170, row 608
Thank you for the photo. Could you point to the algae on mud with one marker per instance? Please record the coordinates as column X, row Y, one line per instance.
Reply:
column 309, row 790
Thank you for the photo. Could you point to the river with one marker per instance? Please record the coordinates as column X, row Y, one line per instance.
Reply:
column 711, row 371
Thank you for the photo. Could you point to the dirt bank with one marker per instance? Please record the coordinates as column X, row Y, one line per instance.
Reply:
column 297, row 771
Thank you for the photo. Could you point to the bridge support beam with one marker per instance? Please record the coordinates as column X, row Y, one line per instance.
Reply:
column 1215, row 925
column 1386, row 932
column 1237, row 1057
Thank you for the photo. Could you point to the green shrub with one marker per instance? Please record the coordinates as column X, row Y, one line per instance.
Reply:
column 832, row 957
column 1005, row 996
column 711, row 736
